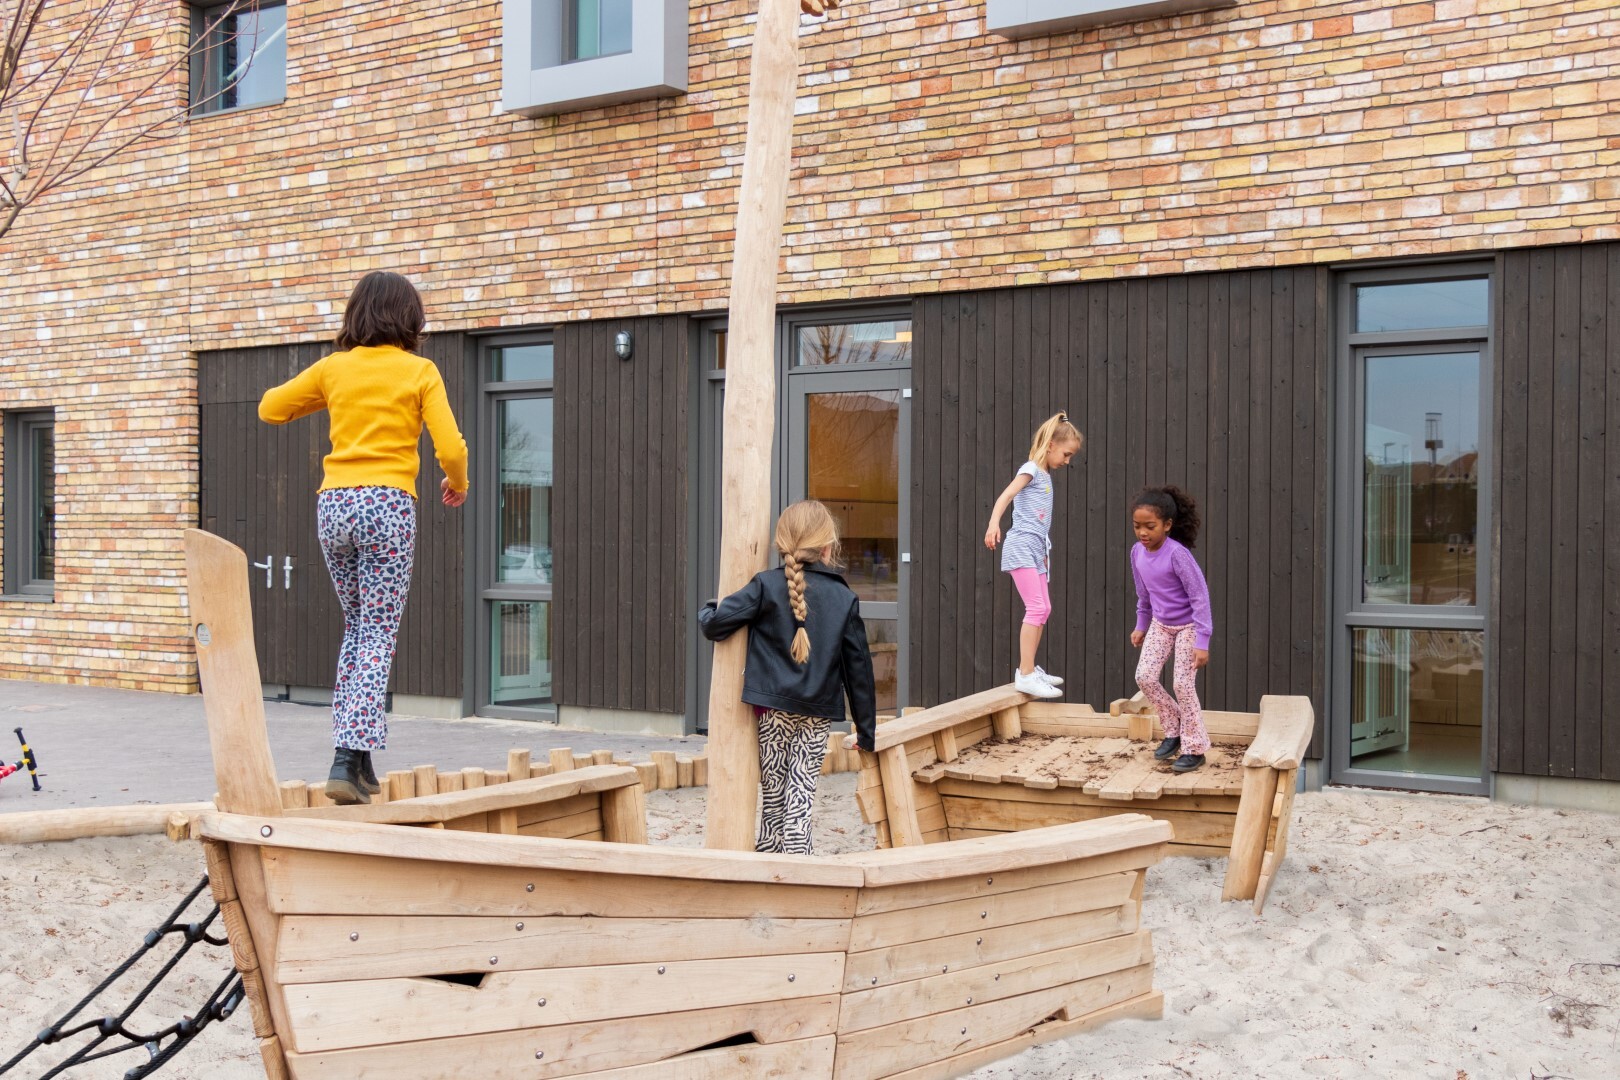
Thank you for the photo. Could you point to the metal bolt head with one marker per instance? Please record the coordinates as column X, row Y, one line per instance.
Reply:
column 528, row 888
column 874, row 980
column 265, row 830
column 354, row 935
column 964, row 1031
column 542, row 1003
column 793, row 978
column 989, row 881
column 970, row 1001
column 980, row 941
column 998, row 978
column 520, row 926
column 494, row 960
column 660, row 969
column 944, row 969
column 984, row 914
column 538, row 1054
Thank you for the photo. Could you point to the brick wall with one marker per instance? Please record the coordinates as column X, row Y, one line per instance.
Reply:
column 929, row 157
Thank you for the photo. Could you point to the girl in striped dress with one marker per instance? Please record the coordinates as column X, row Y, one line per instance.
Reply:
column 1027, row 552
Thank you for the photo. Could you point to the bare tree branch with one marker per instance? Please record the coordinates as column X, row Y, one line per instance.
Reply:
column 83, row 81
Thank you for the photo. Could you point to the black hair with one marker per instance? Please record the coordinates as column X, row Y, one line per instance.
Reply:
column 1175, row 506
column 384, row 309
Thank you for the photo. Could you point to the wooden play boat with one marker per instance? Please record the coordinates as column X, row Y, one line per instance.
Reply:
column 431, row 938
column 999, row 762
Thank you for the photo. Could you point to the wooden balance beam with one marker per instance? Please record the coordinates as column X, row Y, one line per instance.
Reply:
column 999, row 761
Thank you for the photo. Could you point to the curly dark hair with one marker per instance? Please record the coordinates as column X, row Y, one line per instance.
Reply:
column 1175, row 506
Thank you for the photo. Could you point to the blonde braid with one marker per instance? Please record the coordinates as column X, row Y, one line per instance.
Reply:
column 794, row 569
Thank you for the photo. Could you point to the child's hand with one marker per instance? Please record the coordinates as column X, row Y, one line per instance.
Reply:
column 992, row 537
column 448, row 495
column 850, row 742
column 1137, row 637
column 1200, row 658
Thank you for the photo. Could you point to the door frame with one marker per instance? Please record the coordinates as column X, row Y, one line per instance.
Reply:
column 1348, row 612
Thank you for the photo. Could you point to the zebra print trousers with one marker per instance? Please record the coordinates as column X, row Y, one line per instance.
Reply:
column 791, row 749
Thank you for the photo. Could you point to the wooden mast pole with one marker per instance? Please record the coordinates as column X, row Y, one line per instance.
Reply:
column 750, row 410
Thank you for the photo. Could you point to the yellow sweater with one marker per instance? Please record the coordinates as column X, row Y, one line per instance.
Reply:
column 379, row 397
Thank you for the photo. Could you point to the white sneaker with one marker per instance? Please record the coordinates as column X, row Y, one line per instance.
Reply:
column 1053, row 679
column 1033, row 685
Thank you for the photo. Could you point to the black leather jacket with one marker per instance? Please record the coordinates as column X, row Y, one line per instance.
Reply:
column 840, row 663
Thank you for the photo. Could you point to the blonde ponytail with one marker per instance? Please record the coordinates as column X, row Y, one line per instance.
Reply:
column 802, row 532
column 1056, row 429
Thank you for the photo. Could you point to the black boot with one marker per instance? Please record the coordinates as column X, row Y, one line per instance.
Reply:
column 1168, row 747
column 343, row 783
column 1187, row 762
column 368, row 776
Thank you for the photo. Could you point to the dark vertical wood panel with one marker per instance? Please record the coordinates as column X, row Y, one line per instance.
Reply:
column 1610, row 761
column 1588, row 517
column 1280, row 533
column 1118, row 665
column 1234, row 611
column 993, row 454
column 1214, row 494
column 1308, row 565
column 1538, row 516
column 942, row 568
column 1102, row 566
column 1512, row 468
column 1565, row 462
column 1259, row 485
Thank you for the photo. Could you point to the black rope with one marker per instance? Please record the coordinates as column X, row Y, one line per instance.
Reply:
column 161, row 1045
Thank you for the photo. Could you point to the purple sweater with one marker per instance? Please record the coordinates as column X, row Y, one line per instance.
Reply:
column 1170, row 588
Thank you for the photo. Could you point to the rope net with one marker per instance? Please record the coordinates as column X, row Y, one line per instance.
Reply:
column 111, row 1034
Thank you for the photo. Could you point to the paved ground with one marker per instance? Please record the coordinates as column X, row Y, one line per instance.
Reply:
column 100, row 747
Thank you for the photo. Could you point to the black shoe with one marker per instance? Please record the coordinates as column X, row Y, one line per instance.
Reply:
column 368, row 778
column 1168, row 747
column 343, row 783
column 1187, row 762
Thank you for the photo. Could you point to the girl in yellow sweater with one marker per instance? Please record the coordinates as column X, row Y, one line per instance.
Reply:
column 379, row 396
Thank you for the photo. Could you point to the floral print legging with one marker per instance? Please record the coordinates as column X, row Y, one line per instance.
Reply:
column 368, row 535
column 1180, row 716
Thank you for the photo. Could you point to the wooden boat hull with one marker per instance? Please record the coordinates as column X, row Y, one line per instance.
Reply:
column 373, row 950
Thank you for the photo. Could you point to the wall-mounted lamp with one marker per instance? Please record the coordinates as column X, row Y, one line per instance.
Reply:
column 624, row 346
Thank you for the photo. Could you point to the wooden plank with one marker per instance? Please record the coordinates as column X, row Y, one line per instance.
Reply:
column 1071, row 730
column 1006, row 723
column 961, row 987
column 1227, row 803
column 334, row 1016
column 1249, row 834
column 559, row 808
column 577, row 1049
column 945, row 744
column 624, row 815
column 899, row 797
column 330, row 948
column 888, row 928
column 935, row 956
column 1286, row 724
column 461, row 803
column 928, row 893
column 879, row 1052
column 802, row 1059
column 75, row 823
column 1070, row 842
column 949, row 714
column 1148, row 1006
column 1123, row 783
column 222, row 626
column 1010, row 816
column 566, row 827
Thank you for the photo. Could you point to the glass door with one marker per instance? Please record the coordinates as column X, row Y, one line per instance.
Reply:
column 849, row 436
column 515, row 574
column 1411, row 586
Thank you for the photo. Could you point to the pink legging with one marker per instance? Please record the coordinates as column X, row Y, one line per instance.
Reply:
column 1186, row 719
column 1032, row 590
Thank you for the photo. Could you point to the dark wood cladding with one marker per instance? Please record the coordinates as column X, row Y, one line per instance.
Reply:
column 621, row 515
column 1555, row 621
column 1214, row 382
column 257, row 490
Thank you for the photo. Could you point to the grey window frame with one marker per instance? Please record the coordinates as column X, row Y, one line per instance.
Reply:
column 536, row 85
column 20, row 505
column 196, row 103
column 1033, row 18
column 1349, row 610
column 484, row 525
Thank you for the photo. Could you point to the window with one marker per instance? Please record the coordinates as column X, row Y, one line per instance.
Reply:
column 564, row 55
column 30, row 504
column 518, row 422
column 239, row 55
column 1030, row 18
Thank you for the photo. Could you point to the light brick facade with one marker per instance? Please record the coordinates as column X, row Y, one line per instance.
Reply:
column 929, row 157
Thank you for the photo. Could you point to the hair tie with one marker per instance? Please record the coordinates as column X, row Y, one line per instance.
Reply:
column 1063, row 417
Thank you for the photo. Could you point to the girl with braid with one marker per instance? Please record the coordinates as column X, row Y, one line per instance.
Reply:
column 807, row 653
column 1172, row 616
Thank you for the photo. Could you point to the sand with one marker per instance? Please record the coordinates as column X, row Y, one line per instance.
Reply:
column 1407, row 936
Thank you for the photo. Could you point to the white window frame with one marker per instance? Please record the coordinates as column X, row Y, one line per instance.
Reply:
column 655, row 66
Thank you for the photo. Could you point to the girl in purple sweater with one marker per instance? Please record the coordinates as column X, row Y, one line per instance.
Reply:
column 1172, row 615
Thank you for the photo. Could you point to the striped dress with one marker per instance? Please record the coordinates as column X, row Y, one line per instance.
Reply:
column 1028, row 542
